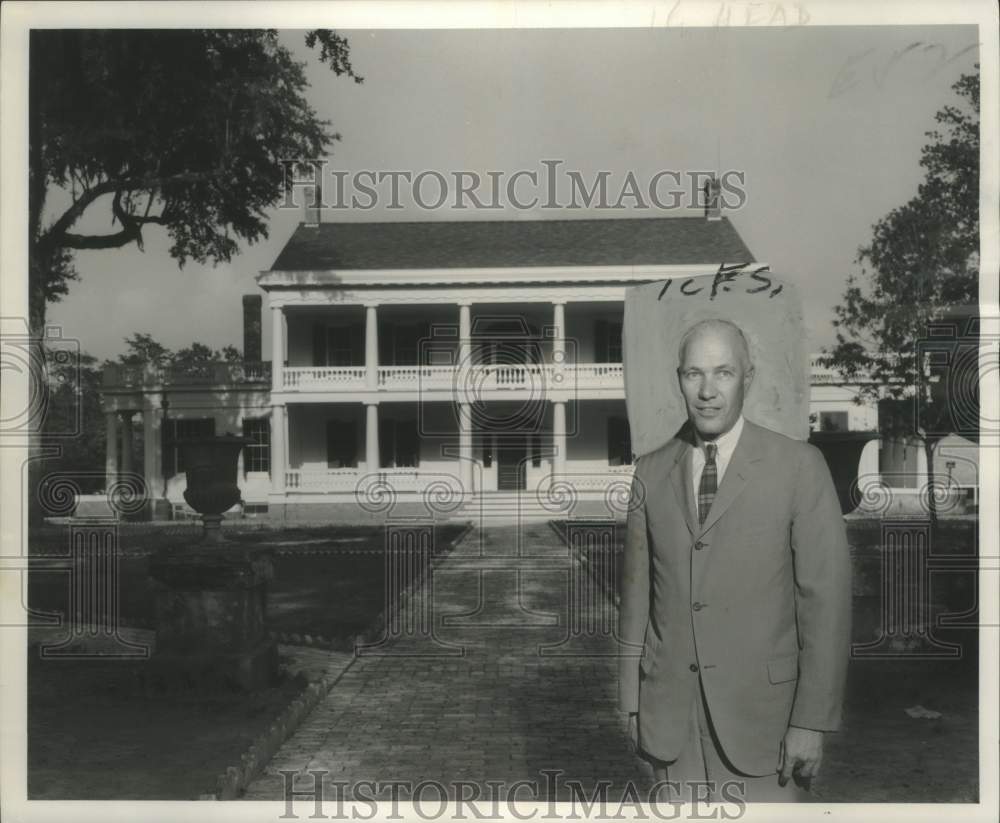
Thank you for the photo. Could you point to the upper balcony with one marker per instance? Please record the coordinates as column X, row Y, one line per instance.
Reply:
column 478, row 350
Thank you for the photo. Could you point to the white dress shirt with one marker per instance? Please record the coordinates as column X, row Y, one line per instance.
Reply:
column 727, row 445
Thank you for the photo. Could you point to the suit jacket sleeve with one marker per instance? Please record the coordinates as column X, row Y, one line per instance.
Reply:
column 633, row 612
column 822, row 596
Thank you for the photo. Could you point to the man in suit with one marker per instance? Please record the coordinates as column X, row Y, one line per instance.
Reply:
column 736, row 586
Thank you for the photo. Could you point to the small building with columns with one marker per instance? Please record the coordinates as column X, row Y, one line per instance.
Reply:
column 458, row 359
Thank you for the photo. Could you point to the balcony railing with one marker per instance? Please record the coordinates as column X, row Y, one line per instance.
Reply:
column 406, row 377
column 497, row 377
column 347, row 480
column 596, row 375
column 322, row 480
column 415, row 480
column 202, row 374
column 324, row 377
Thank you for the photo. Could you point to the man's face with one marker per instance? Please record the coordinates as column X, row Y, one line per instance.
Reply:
column 713, row 381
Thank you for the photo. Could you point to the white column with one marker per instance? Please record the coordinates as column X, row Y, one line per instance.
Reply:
column 559, row 437
column 465, row 447
column 921, row 455
column 152, row 426
column 464, row 332
column 126, row 423
column 240, row 469
column 559, row 341
column 372, row 462
column 278, row 349
column 111, row 450
column 279, row 448
column 371, row 346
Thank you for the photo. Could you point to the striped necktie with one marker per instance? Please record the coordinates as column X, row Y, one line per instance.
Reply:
column 709, row 483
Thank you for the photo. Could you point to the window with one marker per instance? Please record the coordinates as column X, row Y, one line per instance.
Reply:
column 338, row 346
column 607, row 341
column 536, row 450
column 833, row 421
column 335, row 345
column 402, row 344
column 257, row 456
column 341, row 444
column 399, row 443
column 619, row 442
column 176, row 430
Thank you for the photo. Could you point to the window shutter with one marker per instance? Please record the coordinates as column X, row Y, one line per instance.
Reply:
column 619, row 444
column 387, row 442
column 356, row 342
column 350, row 430
column 319, row 344
column 332, row 444
column 386, row 354
column 409, row 443
column 615, row 343
column 424, row 344
column 600, row 341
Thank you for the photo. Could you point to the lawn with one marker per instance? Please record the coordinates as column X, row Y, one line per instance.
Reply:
column 93, row 734
column 93, row 731
column 329, row 582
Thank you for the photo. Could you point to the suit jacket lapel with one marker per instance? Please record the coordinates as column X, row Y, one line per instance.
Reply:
column 738, row 472
column 680, row 478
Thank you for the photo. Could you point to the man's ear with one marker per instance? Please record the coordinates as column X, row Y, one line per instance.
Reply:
column 748, row 379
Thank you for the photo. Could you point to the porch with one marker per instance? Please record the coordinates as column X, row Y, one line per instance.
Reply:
column 349, row 449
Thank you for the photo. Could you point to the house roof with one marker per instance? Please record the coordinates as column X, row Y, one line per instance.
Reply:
column 512, row 243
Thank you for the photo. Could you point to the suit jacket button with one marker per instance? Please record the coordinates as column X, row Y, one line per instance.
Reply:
column 699, row 545
column 693, row 667
column 697, row 606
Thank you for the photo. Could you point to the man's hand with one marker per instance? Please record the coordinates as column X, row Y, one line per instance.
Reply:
column 800, row 754
column 633, row 731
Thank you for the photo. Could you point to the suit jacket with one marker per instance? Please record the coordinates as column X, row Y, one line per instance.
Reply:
column 757, row 600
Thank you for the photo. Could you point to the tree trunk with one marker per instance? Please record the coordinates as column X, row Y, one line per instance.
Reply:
column 38, row 388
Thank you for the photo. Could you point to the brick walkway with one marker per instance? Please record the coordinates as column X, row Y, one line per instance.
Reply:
column 494, row 699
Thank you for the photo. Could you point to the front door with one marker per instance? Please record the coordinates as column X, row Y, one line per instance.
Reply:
column 512, row 458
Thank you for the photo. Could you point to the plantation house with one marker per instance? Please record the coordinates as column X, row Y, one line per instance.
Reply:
column 459, row 358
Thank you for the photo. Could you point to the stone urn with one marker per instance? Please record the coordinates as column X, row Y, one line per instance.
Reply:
column 212, row 487
column 842, row 451
column 211, row 593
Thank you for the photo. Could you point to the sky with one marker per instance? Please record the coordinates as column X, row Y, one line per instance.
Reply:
column 826, row 123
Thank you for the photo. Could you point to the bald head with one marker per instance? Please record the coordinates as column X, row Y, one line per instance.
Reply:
column 721, row 329
column 715, row 373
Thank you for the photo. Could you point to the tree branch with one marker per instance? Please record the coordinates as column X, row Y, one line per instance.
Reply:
column 100, row 241
column 58, row 235
column 50, row 237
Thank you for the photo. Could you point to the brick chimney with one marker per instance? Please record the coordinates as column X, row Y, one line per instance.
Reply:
column 251, row 328
column 314, row 200
column 713, row 201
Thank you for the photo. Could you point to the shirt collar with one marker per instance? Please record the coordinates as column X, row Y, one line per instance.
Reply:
column 726, row 442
